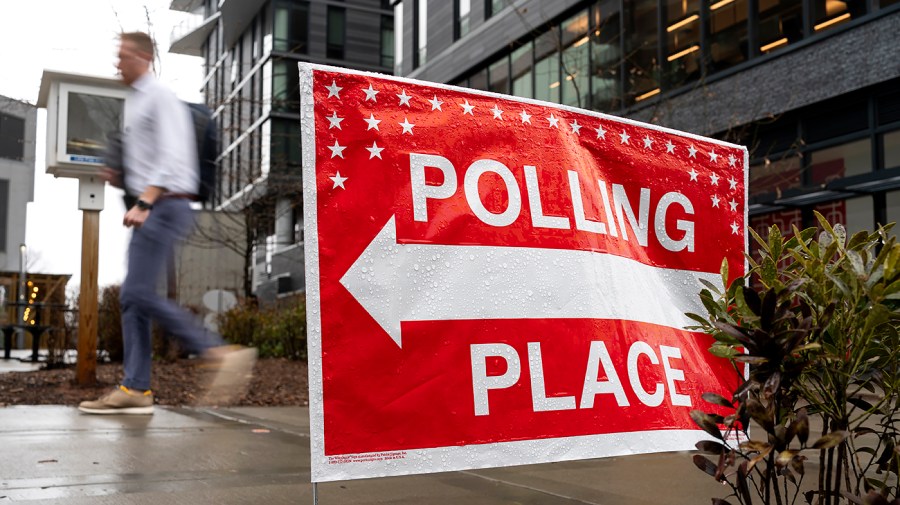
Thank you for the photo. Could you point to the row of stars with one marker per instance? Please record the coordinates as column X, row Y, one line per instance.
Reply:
column 552, row 122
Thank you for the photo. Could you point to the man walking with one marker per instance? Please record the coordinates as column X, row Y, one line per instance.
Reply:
column 160, row 170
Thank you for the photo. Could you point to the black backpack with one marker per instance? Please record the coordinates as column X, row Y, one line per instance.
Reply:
column 207, row 137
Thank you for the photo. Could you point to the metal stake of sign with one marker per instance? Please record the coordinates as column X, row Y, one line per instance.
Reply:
column 315, row 494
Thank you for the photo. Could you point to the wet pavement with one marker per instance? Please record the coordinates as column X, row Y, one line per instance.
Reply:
column 55, row 455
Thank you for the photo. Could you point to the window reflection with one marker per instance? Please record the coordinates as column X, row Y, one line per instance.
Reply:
column 780, row 23
column 499, row 76
column 728, row 33
column 854, row 158
column 683, row 33
column 479, row 80
column 291, row 28
column 546, row 67
column 641, row 49
column 521, row 72
column 775, row 176
column 831, row 13
column 575, row 69
column 606, row 53
column 891, row 143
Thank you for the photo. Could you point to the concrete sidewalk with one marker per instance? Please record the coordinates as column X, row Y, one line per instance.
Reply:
column 55, row 455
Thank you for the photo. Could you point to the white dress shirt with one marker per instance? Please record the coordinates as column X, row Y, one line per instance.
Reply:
column 159, row 143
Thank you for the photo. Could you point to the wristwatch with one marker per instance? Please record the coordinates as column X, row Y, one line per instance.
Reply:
column 143, row 205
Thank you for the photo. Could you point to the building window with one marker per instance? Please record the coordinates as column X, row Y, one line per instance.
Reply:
column 780, row 23
column 606, row 57
column 892, row 213
column 891, row 143
column 398, row 39
column 728, row 33
column 285, row 150
column 12, row 137
column 498, row 76
column 682, row 41
column 642, row 67
column 4, row 213
column 285, row 85
column 546, row 67
column 292, row 27
column 492, row 7
column 575, row 61
column 775, row 176
column 522, row 77
column 387, row 41
column 845, row 160
column 337, row 32
column 828, row 14
column 463, row 9
column 420, row 32
column 479, row 80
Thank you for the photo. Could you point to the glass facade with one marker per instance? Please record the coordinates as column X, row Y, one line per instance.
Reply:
column 292, row 27
column 420, row 32
column 612, row 54
column 337, row 32
column 12, row 137
column 463, row 11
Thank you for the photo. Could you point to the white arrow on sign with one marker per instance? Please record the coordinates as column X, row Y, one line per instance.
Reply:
column 428, row 282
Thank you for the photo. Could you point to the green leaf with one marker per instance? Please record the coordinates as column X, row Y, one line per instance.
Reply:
column 721, row 350
column 768, row 271
column 856, row 263
column 712, row 287
column 723, row 270
column 775, row 242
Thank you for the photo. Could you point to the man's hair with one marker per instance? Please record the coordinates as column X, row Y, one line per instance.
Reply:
column 141, row 40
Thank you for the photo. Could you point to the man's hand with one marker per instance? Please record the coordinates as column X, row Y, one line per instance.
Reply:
column 136, row 217
column 112, row 176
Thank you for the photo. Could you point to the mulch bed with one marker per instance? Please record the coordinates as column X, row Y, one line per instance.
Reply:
column 276, row 382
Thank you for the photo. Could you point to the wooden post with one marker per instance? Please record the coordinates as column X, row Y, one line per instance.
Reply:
column 86, row 368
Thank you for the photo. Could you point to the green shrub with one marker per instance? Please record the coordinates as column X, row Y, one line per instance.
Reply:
column 278, row 331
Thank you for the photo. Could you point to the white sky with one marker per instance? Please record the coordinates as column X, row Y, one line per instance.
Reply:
column 80, row 36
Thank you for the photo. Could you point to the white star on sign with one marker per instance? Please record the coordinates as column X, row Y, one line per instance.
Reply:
column 732, row 204
column 648, row 142
column 370, row 94
column 436, row 104
column 526, row 118
column 498, row 114
column 375, row 151
column 734, row 228
column 334, row 90
column 715, row 179
column 731, row 160
column 693, row 174
column 670, row 147
column 407, row 126
column 713, row 157
column 338, row 180
column 404, row 98
column 467, row 109
column 715, row 201
column 372, row 122
column 576, row 127
column 624, row 137
column 732, row 183
column 334, row 121
column 601, row 133
column 337, row 150
column 554, row 121
column 692, row 152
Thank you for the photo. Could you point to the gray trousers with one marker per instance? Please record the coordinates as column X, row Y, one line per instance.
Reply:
column 170, row 221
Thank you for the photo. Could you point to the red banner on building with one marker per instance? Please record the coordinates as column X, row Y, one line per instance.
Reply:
column 497, row 281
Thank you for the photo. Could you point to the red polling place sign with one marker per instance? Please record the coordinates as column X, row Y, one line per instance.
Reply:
column 496, row 281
